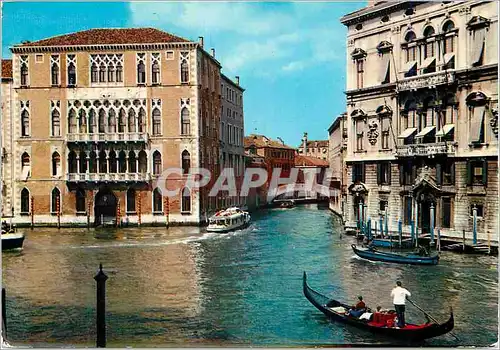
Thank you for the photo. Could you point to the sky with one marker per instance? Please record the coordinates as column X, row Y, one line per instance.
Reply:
column 290, row 56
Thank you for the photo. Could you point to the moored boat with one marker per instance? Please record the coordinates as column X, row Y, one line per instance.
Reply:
column 287, row 204
column 413, row 259
column 12, row 240
column 228, row 220
column 391, row 243
column 336, row 311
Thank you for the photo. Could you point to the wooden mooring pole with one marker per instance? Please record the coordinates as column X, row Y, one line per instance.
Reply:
column 463, row 240
column 101, row 308
column 4, row 315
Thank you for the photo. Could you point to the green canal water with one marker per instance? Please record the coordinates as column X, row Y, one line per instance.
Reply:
column 185, row 287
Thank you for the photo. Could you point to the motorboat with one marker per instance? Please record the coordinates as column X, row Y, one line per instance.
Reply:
column 228, row 220
column 11, row 239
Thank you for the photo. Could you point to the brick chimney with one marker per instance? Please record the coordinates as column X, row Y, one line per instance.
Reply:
column 237, row 80
column 213, row 52
column 200, row 39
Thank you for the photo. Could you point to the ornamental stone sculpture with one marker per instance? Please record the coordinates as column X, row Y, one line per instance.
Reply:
column 372, row 131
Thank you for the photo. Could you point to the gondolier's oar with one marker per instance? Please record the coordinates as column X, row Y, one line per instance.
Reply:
column 427, row 314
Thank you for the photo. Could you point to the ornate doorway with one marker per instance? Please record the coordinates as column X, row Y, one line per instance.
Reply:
column 105, row 206
column 425, row 202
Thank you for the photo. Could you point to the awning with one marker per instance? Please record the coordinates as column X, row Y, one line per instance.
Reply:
column 384, row 72
column 445, row 130
column 407, row 133
column 476, row 124
column 25, row 173
column 427, row 62
column 411, row 65
column 425, row 131
column 477, row 46
column 448, row 57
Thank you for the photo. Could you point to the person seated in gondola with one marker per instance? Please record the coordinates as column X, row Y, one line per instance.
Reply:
column 358, row 309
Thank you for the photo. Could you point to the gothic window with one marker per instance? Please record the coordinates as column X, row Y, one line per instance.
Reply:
column 131, row 200
column 56, row 164
column 131, row 120
column 132, row 165
column 155, row 68
column 25, row 123
column 80, row 201
column 111, row 73
column 112, row 162
column 92, row 122
column 122, row 121
column 83, row 163
column 186, row 162
column 184, row 67
column 54, row 69
column 25, row 166
column 186, row 200
column 156, row 163
column 102, row 73
column 157, row 201
column 55, row 206
column 119, row 73
column 143, row 162
column 25, row 201
column 72, row 163
column 141, row 120
column 72, row 122
column 141, row 68
column 185, row 122
column 103, row 165
column 122, row 162
column 156, row 122
column 94, row 74
column 112, row 121
column 102, row 121
column 106, row 68
column 24, row 70
column 92, row 162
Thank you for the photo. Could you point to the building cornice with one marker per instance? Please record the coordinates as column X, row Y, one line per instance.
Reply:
column 372, row 90
column 229, row 81
column 107, row 47
column 377, row 11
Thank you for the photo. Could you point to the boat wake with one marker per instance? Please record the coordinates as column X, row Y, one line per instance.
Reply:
column 362, row 259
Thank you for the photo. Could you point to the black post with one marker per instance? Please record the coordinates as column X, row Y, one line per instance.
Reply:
column 4, row 315
column 101, row 308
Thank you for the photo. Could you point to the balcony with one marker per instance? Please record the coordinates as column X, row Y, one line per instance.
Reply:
column 428, row 80
column 427, row 149
column 105, row 137
column 108, row 177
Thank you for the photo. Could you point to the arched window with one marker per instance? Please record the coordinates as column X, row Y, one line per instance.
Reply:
column 131, row 200
column 103, row 166
column 83, row 163
column 94, row 75
column 102, row 121
column 102, row 73
column 56, row 123
column 157, row 201
column 449, row 39
column 93, row 162
column 186, row 162
column 24, row 74
column 112, row 121
column 185, row 122
column 92, row 122
column 25, row 123
column 184, row 72
column 80, row 201
column 119, row 73
column 155, row 78
column 429, row 49
column 411, row 50
column 156, row 122
column 55, row 74
column 25, row 166
column 186, row 200
column 131, row 120
column 71, row 74
column 410, row 115
column 122, row 160
column 82, row 122
column 25, row 201
column 122, row 120
column 448, row 26
column 55, row 203
column 56, row 164
column 141, row 73
column 112, row 162
column 141, row 120
column 73, row 125
column 72, row 163
column 156, row 163
column 132, row 165
column 410, row 36
column 111, row 73
column 143, row 162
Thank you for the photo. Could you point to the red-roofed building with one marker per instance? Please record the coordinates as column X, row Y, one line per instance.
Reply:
column 101, row 114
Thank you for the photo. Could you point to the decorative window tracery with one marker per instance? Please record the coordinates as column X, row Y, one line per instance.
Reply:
column 55, row 114
column 106, row 68
column 185, row 121
column 155, row 68
column 25, row 118
column 156, row 115
column 140, row 59
column 71, row 63
column 54, row 69
column 184, row 60
column 24, row 64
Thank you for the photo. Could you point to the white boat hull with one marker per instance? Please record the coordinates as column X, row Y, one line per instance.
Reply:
column 223, row 229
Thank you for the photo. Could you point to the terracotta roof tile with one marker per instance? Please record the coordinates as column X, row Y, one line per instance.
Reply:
column 310, row 161
column 261, row 141
column 109, row 37
column 320, row 143
column 7, row 69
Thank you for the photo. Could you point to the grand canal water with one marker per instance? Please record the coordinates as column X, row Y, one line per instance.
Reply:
column 184, row 287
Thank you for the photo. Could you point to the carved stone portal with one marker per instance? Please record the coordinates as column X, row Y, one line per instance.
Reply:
column 494, row 121
column 372, row 131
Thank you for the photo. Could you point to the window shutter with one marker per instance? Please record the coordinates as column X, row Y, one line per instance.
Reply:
column 389, row 167
column 485, row 172
column 401, row 174
column 379, row 173
column 469, row 173
column 439, row 174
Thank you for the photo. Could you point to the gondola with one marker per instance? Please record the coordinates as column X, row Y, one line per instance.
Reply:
column 413, row 259
column 391, row 243
column 411, row 332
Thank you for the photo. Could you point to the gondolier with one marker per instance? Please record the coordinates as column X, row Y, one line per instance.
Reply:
column 399, row 295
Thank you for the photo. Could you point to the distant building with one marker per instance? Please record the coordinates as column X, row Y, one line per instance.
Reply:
column 338, row 147
column 256, row 197
column 422, row 115
column 313, row 148
column 232, row 150
column 319, row 166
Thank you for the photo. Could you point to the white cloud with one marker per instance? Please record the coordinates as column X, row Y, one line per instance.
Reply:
column 294, row 66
